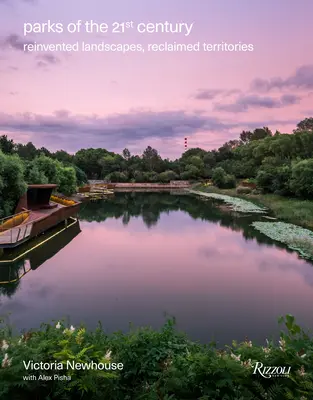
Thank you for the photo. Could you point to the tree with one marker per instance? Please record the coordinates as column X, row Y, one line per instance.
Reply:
column 63, row 157
column 35, row 176
column 7, row 146
column 196, row 161
column 261, row 133
column 27, row 151
column 306, row 125
column 81, row 177
column 246, row 136
column 117, row 176
column 48, row 167
column 12, row 183
column 67, row 183
column 110, row 163
column 45, row 152
column 302, row 178
column 195, row 151
column 88, row 161
column 151, row 159
column 126, row 154
column 191, row 172
column 209, row 159
column 167, row 176
column 222, row 180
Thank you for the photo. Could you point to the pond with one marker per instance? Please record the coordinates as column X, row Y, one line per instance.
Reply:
column 141, row 256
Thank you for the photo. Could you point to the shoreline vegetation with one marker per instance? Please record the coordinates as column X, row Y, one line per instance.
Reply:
column 293, row 210
column 59, row 362
column 277, row 163
column 297, row 214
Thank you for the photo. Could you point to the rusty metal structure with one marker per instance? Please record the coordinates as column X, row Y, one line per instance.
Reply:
column 36, row 212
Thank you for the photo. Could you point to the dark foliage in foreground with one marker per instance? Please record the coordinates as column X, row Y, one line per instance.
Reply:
column 156, row 365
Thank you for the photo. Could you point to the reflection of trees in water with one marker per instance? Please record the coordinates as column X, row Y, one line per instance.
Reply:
column 150, row 206
column 10, row 274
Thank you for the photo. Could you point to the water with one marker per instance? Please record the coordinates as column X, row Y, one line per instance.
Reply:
column 140, row 256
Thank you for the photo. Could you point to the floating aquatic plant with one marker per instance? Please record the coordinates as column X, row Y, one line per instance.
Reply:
column 295, row 237
column 235, row 203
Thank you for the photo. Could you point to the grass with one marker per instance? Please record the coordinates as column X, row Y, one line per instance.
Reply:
column 292, row 210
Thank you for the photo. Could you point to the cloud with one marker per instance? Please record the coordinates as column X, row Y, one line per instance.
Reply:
column 49, row 58
column 207, row 94
column 72, row 132
column 245, row 102
column 14, row 41
column 301, row 79
column 210, row 94
column 23, row 1
column 45, row 60
column 113, row 130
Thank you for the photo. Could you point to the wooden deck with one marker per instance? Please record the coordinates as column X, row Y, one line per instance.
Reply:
column 22, row 232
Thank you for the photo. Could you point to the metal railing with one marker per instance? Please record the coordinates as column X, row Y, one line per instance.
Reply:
column 3, row 220
column 15, row 233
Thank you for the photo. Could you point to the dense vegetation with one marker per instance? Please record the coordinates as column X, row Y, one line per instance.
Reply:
column 156, row 365
column 277, row 163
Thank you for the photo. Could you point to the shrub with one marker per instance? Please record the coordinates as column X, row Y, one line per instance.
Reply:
column 302, row 178
column 167, row 176
column 243, row 190
column 265, row 179
column 274, row 179
column 66, row 179
column 281, row 181
column 156, row 365
column 223, row 180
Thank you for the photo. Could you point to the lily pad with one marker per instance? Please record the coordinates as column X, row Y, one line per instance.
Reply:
column 235, row 203
column 295, row 237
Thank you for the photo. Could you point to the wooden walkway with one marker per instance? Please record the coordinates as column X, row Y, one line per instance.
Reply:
column 21, row 232
column 16, row 234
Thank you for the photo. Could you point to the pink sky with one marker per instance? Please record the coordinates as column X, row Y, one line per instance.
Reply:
column 132, row 100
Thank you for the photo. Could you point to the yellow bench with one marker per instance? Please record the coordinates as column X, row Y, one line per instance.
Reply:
column 64, row 202
column 14, row 221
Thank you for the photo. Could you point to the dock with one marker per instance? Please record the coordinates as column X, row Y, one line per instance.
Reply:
column 37, row 211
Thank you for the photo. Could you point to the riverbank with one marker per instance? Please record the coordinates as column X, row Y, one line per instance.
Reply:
column 292, row 210
column 145, row 363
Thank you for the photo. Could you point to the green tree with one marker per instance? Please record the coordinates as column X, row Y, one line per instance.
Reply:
column 191, row 172
column 167, row 176
column 151, row 160
column 27, row 151
column 81, row 177
column 306, row 125
column 246, row 136
column 7, row 146
column 67, row 182
column 88, row 161
column 48, row 167
column 302, row 178
column 126, row 154
column 34, row 175
column 63, row 157
column 12, row 183
column 222, row 180
column 197, row 162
